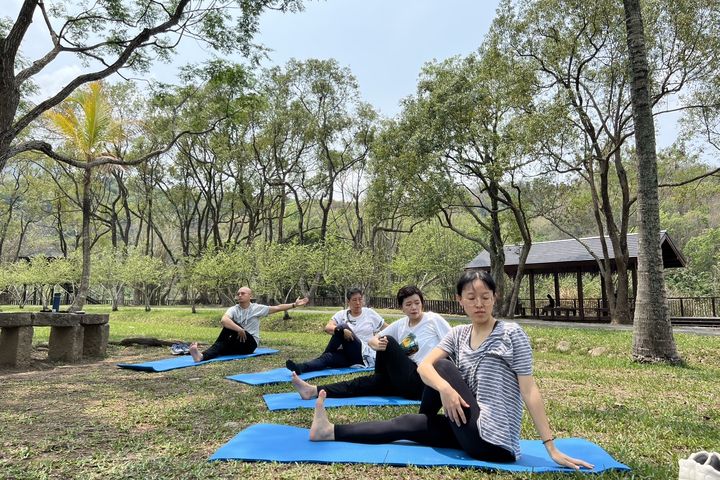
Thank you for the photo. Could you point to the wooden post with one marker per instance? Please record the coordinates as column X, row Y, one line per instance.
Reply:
column 581, row 298
column 533, row 311
column 713, row 307
column 556, row 281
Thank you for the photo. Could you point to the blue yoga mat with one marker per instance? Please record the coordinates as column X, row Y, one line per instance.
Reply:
column 280, row 375
column 183, row 361
column 282, row 443
column 292, row 400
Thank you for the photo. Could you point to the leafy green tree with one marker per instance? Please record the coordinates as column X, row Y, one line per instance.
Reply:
column 687, row 206
column 222, row 271
column 147, row 274
column 579, row 51
column 458, row 150
column 345, row 267
column 7, row 279
column 284, row 270
column 16, row 278
column 110, row 37
column 432, row 256
column 342, row 126
column 45, row 274
column 109, row 272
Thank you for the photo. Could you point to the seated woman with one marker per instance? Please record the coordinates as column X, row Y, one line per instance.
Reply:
column 398, row 351
column 351, row 330
column 479, row 373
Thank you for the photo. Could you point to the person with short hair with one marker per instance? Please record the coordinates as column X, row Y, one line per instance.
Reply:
column 350, row 331
column 398, row 350
column 240, row 334
column 480, row 374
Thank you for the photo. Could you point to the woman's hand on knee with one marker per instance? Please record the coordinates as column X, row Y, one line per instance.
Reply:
column 379, row 344
column 454, row 406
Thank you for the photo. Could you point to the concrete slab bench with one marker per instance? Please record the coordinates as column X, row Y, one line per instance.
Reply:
column 16, row 332
column 72, row 336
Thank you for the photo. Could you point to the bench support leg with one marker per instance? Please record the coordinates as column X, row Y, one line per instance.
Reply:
column 15, row 346
column 95, row 340
column 66, row 344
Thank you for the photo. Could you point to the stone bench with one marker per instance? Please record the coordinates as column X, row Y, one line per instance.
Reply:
column 72, row 336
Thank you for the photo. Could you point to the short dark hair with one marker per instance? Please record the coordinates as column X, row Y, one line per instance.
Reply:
column 409, row 291
column 353, row 291
column 469, row 276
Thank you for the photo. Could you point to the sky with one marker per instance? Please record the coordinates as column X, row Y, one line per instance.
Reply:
column 383, row 42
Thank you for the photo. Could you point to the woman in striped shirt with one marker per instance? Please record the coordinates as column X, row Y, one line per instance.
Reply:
column 480, row 374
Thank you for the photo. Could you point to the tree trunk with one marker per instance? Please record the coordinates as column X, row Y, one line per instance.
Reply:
column 620, row 314
column 81, row 294
column 147, row 295
column 497, row 255
column 652, row 336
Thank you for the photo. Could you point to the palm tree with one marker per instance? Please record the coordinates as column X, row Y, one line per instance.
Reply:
column 85, row 123
column 653, row 336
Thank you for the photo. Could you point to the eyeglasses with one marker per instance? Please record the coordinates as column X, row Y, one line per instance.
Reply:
column 483, row 300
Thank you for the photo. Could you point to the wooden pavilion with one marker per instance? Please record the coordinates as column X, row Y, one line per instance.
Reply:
column 572, row 257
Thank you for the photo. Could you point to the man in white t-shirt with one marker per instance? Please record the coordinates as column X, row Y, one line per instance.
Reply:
column 400, row 349
column 351, row 330
column 240, row 334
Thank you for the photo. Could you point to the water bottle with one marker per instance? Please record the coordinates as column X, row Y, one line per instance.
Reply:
column 56, row 302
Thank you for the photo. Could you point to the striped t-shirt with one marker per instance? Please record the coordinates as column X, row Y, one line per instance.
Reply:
column 491, row 372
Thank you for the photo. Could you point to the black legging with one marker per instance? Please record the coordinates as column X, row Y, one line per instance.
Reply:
column 334, row 356
column 395, row 374
column 430, row 428
column 228, row 343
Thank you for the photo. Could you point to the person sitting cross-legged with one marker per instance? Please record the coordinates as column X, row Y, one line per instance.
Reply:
column 240, row 334
column 350, row 332
column 399, row 349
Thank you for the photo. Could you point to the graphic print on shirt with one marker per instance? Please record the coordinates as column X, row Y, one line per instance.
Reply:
column 410, row 345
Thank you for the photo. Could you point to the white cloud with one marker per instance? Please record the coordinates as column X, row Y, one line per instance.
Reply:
column 52, row 81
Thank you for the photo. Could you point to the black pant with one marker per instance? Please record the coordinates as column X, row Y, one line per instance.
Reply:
column 395, row 374
column 228, row 343
column 334, row 356
column 429, row 428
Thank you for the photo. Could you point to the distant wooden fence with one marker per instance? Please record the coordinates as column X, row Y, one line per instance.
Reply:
column 682, row 307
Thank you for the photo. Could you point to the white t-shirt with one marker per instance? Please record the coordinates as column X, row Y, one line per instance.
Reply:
column 417, row 341
column 249, row 318
column 364, row 326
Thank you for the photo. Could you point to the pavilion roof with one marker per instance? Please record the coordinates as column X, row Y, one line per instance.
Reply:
column 573, row 255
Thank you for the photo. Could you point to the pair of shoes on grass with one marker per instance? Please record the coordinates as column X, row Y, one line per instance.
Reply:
column 700, row 466
column 180, row 349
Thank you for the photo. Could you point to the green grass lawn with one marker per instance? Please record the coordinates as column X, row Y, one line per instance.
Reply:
column 94, row 420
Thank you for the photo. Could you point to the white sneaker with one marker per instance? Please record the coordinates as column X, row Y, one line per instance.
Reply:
column 700, row 466
column 689, row 466
column 710, row 469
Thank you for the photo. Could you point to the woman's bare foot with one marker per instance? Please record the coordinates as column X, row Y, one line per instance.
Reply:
column 321, row 429
column 195, row 353
column 305, row 390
